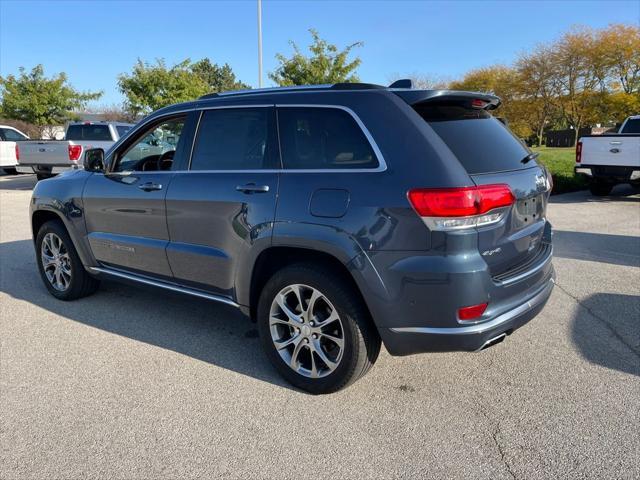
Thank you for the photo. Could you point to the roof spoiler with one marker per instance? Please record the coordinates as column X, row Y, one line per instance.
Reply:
column 478, row 100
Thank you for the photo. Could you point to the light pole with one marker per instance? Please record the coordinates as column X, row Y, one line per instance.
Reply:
column 259, row 43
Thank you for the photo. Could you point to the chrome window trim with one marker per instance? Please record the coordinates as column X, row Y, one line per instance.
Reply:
column 382, row 164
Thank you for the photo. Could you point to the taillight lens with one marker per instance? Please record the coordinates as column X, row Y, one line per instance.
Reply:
column 472, row 313
column 17, row 153
column 578, row 152
column 464, row 207
column 74, row 152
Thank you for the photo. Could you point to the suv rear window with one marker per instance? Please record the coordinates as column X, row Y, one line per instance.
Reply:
column 98, row 133
column 322, row 138
column 481, row 143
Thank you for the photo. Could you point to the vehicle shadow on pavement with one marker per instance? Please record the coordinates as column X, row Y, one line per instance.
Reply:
column 620, row 193
column 605, row 319
column 201, row 329
column 597, row 247
column 17, row 182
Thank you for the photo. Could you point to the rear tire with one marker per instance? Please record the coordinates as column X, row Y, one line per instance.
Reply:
column 59, row 264
column 600, row 189
column 10, row 170
column 331, row 354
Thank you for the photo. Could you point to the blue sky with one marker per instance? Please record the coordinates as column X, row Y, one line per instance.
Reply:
column 94, row 41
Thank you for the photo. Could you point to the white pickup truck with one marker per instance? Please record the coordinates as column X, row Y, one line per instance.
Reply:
column 46, row 158
column 609, row 159
column 9, row 137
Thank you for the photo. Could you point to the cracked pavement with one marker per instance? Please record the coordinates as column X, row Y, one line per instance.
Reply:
column 133, row 383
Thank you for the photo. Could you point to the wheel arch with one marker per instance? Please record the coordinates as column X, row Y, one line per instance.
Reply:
column 274, row 258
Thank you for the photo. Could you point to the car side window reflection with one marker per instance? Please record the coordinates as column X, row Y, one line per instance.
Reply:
column 154, row 149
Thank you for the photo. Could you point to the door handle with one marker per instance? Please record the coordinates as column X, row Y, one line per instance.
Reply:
column 252, row 188
column 150, row 186
column 615, row 143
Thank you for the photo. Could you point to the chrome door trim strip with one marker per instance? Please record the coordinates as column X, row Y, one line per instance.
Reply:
column 166, row 286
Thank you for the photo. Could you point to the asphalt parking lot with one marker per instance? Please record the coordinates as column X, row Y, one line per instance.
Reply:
column 133, row 383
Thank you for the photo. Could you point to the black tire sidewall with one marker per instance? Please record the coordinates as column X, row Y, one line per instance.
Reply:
column 342, row 299
column 77, row 269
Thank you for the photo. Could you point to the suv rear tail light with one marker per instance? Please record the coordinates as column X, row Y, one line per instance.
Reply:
column 74, row 152
column 17, row 153
column 464, row 207
column 578, row 152
column 472, row 313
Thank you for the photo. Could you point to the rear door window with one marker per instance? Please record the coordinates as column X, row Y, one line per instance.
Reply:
column 322, row 138
column 122, row 129
column 96, row 133
column 632, row 126
column 11, row 135
column 481, row 143
column 235, row 139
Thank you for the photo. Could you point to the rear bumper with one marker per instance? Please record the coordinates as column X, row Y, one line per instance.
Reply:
column 611, row 173
column 409, row 340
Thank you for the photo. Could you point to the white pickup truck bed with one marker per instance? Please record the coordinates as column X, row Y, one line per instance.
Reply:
column 610, row 159
column 48, row 157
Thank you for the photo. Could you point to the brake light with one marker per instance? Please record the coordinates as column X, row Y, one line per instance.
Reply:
column 74, row 152
column 17, row 153
column 464, row 207
column 472, row 312
column 478, row 103
column 578, row 152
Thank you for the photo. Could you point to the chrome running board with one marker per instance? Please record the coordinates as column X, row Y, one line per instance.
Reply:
column 166, row 286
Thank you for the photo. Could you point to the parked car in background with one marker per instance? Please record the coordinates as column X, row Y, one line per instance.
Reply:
column 9, row 138
column 46, row 158
column 609, row 159
column 337, row 217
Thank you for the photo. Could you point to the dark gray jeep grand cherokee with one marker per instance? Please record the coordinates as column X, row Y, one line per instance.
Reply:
column 337, row 217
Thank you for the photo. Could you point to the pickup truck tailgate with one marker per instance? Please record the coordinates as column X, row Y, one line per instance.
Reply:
column 611, row 150
column 47, row 153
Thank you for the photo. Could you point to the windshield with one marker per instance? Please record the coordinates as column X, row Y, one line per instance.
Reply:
column 632, row 126
column 481, row 143
column 98, row 133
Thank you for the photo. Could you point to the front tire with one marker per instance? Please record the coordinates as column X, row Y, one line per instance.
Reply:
column 315, row 329
column 59, row 264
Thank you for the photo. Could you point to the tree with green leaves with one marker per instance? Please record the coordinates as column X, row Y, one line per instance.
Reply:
column 326, row 64
column 44, row 102
column 219, row 78
column 153, row 86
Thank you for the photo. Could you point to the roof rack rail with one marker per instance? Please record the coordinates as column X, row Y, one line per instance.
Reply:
column 250, row 91
column 328, row 86
column 356, row 86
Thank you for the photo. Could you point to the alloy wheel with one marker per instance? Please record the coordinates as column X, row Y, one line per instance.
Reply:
column 56, row 262
column 306, row 331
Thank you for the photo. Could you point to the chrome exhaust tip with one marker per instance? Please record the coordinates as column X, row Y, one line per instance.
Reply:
column 492, row 341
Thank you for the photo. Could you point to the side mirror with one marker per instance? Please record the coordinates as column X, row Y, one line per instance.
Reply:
column 94, row 160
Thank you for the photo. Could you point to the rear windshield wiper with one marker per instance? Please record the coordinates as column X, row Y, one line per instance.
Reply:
column 531, row 156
